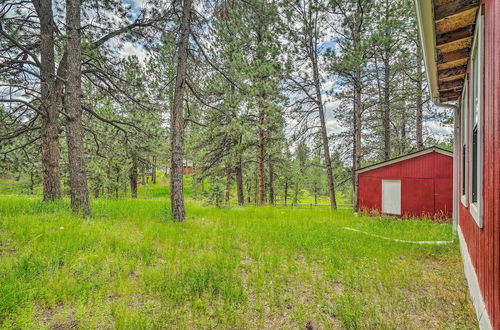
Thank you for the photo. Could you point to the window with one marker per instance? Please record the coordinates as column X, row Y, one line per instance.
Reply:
column 475, row 125
column 464, row 138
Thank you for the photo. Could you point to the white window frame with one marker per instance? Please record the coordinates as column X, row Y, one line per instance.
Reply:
column 464, row 142
column 477, row 53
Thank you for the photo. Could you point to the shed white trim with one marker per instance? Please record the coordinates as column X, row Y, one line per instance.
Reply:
column 406, row 157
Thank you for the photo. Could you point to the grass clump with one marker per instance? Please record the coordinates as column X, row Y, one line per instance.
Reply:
column 130, row 266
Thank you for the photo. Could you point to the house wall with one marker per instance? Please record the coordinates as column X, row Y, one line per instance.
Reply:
column 483, row 244
column 421, row 178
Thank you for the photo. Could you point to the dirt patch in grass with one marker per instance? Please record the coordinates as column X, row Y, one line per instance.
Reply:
column 6, row 248
column 58, row 317
column 431, row 293
column 298, row 295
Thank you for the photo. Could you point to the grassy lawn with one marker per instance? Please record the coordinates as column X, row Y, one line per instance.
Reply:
column 131, row 267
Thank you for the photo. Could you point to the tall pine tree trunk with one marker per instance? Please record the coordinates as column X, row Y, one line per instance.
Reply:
column 262, row 155
column 239, row 182
column 387, row 108
column 153, row 171
column 286, row 192
column 73, row 98
column 324, row 135
column 357, row 137
column 387, row 81
column 228, row 185
column 418, row 100
column 177, row 118
column 50, row 147
column 133, row 175
column 271, row 181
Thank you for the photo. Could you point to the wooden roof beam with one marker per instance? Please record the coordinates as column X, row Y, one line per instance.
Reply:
column 454, row 45
column 453, row 59
column 464, row 32
column 451, row 85
column 453, row 56
column 458, row 76
column 444, row 74
column 449, row 96
column 456, row 21
column 452, row 64
column 453, row 7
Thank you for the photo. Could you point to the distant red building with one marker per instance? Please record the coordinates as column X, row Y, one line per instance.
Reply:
column 187, row 170
column 415, row 185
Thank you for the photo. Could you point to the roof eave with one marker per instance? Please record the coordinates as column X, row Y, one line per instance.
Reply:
column 425, row 19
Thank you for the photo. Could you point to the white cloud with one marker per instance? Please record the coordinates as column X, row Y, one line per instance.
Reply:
column 334, row 126
column 438, row 130
column 139, row 3
column 130, row 49
column 331, row 105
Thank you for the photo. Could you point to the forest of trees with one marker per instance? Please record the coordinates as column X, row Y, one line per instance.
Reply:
column 271, row 97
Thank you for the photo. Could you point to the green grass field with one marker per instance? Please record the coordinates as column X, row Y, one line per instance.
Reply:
column 130, row 267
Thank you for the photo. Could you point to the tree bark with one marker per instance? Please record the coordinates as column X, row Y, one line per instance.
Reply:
column 262, row 155
column 324, row 135
column 357, row 137
column 153, row 171
column 177, row 118
column 387, row 111
column 271, row 181
column 418, row 101
column 133, row 175
column 50, row 147
column 256, row 191
column 228, row 186
column 286, row 192
column 74, row 128
column 239, row 182
column 387, row 100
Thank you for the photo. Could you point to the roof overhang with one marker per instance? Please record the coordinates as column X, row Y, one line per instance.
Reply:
column 446, row 30
column 405, row 157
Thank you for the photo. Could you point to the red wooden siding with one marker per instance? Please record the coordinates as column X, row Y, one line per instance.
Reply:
column 426, row 186
column 484, row 244
column 416, row 197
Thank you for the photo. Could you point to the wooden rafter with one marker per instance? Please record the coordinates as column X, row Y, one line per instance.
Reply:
column 454, row 45
column 447, row 37
column 453, row 7
column 458, row 76
column 449, row 95
column 452, row 64
column 456, row 21
column 451, row 73
column 454, row 55
column 454, row 85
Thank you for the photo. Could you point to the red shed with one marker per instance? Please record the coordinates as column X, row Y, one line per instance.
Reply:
column 461, row 48
column 419, row 184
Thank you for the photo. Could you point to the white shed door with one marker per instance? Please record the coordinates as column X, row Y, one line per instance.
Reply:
column 391, row 197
